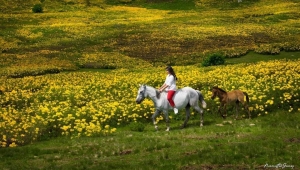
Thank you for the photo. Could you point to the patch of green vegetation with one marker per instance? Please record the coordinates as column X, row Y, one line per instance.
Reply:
column 253, row 57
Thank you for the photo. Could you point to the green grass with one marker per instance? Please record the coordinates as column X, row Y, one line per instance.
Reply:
column 238, row 144
column 253, row 57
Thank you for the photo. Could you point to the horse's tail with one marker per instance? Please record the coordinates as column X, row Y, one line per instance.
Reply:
column 201, row 98
column 247, row 97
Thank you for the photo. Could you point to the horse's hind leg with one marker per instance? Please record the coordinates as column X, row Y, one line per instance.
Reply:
column 200, row 111
column 167, row 120
column 156, row 113
column 247, row 109
column 187, row 115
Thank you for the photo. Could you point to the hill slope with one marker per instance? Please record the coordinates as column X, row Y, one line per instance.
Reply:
column 161, row 33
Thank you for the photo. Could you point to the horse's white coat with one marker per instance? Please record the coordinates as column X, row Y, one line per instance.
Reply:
column 183, row 98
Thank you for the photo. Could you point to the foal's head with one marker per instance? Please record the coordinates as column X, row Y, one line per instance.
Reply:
column 216, row 91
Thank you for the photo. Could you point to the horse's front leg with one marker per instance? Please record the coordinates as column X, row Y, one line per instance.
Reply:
column 225, row 111
column 219, row 110
column 187, row 116
column 166, row 113
column 156, row 113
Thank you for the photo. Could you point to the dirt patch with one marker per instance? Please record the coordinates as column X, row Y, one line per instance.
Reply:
column 229, row 41
column 148, row 47
column 154, row 46
column 190, row 153
column 158, row 1
column 260, row 37
column 293, row 140
column 126, row 152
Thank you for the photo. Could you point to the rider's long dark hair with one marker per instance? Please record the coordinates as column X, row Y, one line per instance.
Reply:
column 171, row 71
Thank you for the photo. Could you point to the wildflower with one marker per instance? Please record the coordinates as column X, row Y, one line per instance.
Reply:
column 13, row 145
column 113, row 130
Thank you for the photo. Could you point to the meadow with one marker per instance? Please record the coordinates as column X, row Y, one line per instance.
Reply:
column 69, row 78
column 69, row 35
column 67, row 104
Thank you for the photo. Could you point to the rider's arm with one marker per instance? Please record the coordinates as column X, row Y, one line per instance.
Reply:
column 163, row 87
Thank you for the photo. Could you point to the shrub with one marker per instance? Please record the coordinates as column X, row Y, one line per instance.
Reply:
column 37, row 8
column 214, row 59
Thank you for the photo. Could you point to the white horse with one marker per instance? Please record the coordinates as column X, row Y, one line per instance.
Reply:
column 185, row 97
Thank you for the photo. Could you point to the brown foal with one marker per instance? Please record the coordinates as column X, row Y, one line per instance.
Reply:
column 236, row 96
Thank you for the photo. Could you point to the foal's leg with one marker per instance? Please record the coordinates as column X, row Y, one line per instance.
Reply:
column 247, row 109
column 224, row 108
column 156, row 113
column 187, row 115
column 219, row 110
column 200, row 111
column 237, row 105
column 167, row 120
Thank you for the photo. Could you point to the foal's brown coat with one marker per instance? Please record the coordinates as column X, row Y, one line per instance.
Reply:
column 236, row 96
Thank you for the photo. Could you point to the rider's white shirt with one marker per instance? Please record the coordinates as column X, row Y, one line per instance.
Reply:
column 171, row 82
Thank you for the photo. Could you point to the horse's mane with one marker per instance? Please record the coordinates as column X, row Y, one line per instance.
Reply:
column 216, row 87
column 157, row 94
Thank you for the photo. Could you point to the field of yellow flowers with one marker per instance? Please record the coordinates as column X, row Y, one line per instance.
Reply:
column 69, row 34
column 93, row 103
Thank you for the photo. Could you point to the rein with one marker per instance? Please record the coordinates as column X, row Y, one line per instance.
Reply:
column 157, row 95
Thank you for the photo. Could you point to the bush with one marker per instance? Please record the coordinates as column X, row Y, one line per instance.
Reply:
column 214, row 59
column 37, row 8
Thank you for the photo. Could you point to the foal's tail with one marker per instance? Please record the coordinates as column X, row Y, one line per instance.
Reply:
column 201, row 98
column 247, row 97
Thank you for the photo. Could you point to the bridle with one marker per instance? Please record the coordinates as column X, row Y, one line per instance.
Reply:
column 144, row 91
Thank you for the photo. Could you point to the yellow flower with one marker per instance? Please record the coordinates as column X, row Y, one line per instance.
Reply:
column 113, row 130
column 13, row 145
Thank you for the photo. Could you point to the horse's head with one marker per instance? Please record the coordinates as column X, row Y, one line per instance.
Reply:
column 214, row 91
column 141, row 94
column 217, row 92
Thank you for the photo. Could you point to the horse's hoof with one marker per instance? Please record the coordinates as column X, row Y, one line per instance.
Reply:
column 167, row 130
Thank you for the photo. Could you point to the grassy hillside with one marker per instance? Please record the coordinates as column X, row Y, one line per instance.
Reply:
column 69, row 33
column 84, row 119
